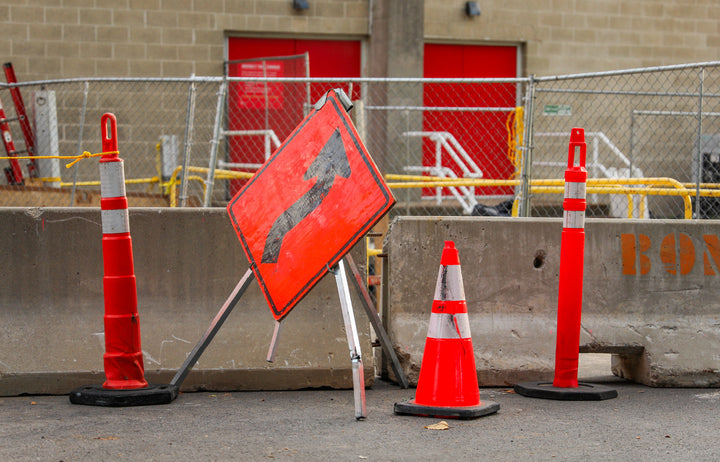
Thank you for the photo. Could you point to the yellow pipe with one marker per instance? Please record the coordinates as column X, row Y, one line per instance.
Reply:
column 594, row 186
column 702, row 185
column 173, row 189
column 434, row 181
column 686, row 194
column 630, row 205
column 373, row 252
column 219, row 174
column 97, row 183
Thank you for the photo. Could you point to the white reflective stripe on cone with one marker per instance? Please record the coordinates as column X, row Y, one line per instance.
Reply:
column 573, row 219
column 449, row 326
column 449, row 284
column 115, row 221
column 112, row 179
column 574, row 190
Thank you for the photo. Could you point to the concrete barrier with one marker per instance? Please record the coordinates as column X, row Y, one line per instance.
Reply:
column 187, row 262
column 651, row 295
column 651, row 299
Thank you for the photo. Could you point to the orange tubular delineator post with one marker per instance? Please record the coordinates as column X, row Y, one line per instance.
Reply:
column 123, row 355
column 565, row 385
column 572, row 257
column 125, row 383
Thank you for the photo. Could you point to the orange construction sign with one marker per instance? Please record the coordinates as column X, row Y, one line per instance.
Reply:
column 306, row 207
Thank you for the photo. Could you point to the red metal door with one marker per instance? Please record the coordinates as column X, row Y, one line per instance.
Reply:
column 279, row 106
column 480, row 131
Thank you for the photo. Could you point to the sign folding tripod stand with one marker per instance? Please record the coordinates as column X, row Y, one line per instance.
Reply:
column 350, row 329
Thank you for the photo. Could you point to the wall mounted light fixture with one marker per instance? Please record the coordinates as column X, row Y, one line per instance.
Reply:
column 472, row 9
column 300, row 5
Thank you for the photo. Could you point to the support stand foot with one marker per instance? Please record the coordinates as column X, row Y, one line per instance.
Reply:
column 96, row 395
column 462, row 412
column 584, row 391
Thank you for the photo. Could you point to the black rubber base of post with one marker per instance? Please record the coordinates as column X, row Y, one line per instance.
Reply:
column 584, row 391
column 96, row 395
column 462, row 412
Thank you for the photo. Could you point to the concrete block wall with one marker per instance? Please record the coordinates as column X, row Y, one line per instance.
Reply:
column 153, row 38
column 575, row 36
column 187, row 263
column 651, row 296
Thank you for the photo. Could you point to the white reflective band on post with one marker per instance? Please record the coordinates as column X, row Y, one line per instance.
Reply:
column 112, row 179
column 115, row 221
column 573, row 219
column 450, row 278
column 574, row 190
column 449, row 326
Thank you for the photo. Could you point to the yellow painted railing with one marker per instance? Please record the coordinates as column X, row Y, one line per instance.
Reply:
column 219, row 175
column 630, row 187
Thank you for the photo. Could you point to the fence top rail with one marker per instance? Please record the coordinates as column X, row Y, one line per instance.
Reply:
column 191, row 79
column 378, row 79
column 640, row 70
column 218, row 79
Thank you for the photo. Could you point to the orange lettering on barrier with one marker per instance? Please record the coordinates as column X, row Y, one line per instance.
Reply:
column 712, row 244
column 667, row 253
column 631, row 253
column 687, row 254
column 644, row 242
column 627, row 253
column 677, row 254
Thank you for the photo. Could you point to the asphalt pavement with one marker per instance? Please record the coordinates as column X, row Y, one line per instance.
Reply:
column 641, row 424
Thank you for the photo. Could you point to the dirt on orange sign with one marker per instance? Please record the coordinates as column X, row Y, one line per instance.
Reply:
column 313, row 199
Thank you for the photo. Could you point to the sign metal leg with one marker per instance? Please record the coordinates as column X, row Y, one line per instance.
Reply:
column 353, row 340
column 273, row 343
column 214, row 327
column 376, row 323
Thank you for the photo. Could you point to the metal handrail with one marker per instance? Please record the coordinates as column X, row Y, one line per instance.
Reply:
column 627, row 186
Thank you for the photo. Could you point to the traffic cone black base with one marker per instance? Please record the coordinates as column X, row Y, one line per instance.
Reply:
column 584, row 391
column 99, row 396
column 462, row 413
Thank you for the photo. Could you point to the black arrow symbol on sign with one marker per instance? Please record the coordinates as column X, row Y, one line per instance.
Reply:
column 331, row 162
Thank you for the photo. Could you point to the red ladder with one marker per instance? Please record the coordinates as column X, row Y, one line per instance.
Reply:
column 14, row 172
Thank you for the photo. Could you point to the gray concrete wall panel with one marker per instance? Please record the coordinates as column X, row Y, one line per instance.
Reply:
column 187, row 262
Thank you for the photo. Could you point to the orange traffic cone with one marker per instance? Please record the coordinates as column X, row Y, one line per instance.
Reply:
column 448, row 385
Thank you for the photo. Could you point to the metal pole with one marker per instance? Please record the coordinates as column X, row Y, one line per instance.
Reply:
column 188, row 141
column 699, row 160
column 308, row 102
column 210, row 182
column 267, row 96
column 80, row 138
column 274, row 342
column 213, row 329
column 353, row 340
column 632, row 144
column 527, row 157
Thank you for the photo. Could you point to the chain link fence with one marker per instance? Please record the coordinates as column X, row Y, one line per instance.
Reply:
column 446, row 146
column 656, row 124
